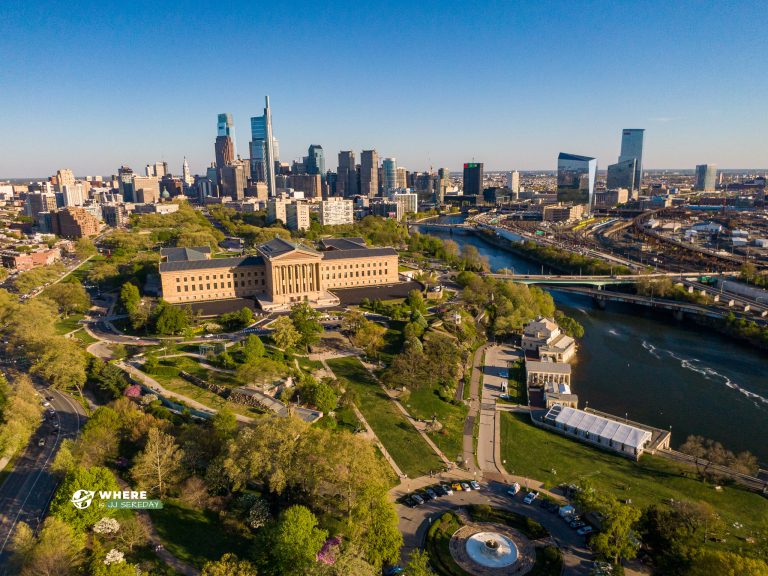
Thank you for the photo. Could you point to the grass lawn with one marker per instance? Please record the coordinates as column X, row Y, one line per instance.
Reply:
column 196, row 536
column 393, row 341
column 516, row 388
column 84, row 337
column 67, row 325
column 412, row 454
column 535, row 453
column 309, row 365
column 424, row 403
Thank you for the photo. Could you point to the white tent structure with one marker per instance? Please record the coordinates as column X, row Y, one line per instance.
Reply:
column 603, row 432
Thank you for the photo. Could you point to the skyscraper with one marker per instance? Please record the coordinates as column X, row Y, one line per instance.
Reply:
column 706, row 178
column 632, row 148
column 64, row 177
column 346, row 174
column 315, row 162
column 369, row 173
column 473, row 178
column 125, row 184
column 263, row 149
column 389, row 174
column 443, row 181
column 622, row 175
column 185, row 174
column 226, row 127
column 576, row 178
column 513, row 182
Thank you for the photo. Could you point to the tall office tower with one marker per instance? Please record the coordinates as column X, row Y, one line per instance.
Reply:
column 186, row 176
column 64, row 177
column 622, row 175
column 263, row 149
column 125, row 184
column 706, row 178
column 443, row 181
column 401, row 177
column 369, row 173
column 576, row 179
column 38, row 202
column 389, row 175
column 473, row 178
column 225, row 151
column 158, row 169
column 72, row 195
column 513, row 182
column 315, row 161
column 226, row 127
column 346, row 174
column 632, row 148
column 233, row 180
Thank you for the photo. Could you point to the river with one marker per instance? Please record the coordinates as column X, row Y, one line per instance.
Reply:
column 657, row 370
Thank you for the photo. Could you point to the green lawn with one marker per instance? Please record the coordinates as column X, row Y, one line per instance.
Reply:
column 309, row 365
column 196, row 536
column 412, row 454
column 393, row 341
column 66, row 325
column 536, row 453
column 424, row 403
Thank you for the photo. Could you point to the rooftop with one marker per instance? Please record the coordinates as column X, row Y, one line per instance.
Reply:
column 549, row 367
column 179, row 265
column 599, row 426
column 342, row 243
column 279, row 246
column 185, row 254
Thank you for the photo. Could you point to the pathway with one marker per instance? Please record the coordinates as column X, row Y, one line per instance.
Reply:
column 469, row 423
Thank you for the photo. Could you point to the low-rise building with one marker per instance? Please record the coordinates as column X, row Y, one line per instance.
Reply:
column 23, row 261
column 600, row 431
column 336, row 211
column 541, row 373
column 562, row 212
column 544, row 338
column 281, row 274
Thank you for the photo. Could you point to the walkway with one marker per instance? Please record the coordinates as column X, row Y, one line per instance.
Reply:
column 469, row 423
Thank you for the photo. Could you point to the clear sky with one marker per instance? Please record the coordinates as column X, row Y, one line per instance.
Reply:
column 92, row 85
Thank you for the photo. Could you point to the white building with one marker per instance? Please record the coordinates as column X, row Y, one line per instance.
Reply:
column 543, row 336
column 336, row 211
column 409, row 201
column 603, row 432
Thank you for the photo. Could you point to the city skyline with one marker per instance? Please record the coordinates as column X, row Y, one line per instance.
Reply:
column 517, row 115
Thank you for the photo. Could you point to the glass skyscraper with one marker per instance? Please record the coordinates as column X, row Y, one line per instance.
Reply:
column 263, row 149
column 576, row 178
column 632, row 148
column 706, row 178
column 622, row 175
column 315, row 163
column 389, row 174
column 473, row 178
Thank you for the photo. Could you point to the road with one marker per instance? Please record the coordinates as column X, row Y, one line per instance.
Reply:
column 28, row 489
column 414, row 522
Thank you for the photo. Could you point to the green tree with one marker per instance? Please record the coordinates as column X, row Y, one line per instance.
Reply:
column 63, row 363
column 70, row 297
column 58, row 550
column 306, row 320
column 296, row 541
column 418, row 565
column 711, row 562
column 415, row 301
column 260, row 371
column 159, row 465
column 130, row 298
column 84, row 248
column 170, row 319
column 252, row 348
column 229, row 565
column 615, row 540
column 370, row 337
column 284, row 333
column 95, row 478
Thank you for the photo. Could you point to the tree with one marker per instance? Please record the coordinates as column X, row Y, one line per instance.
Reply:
column 84, row 248
column 415, row 301
column 615, row 540
column 370, row 337
column 58, row 550
column 252, row 348
column 260, row 371
column 284, row 333
column 296, row 541
column 130, row 298
column 170, row 319
column 133, row 532
column 159, row 465
column 418, row 565
column 63, row 363
column 306, row 320
column 229, row 565
column 69, row 297
column 722, row 563
column 352, row 321
column 96, row 478
column 237, row 320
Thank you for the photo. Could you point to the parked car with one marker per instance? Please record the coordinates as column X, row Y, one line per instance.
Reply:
column 418, row 499
column 41, row 442
column 584, row 530
column 431, row 493
column 447, row 488
column 514, row 489
column 395, row 570
column 530, row 497
column 408, row 501
column 426, row 496
column 456, row 486
column 466, row 487
column 577, row 524
column 475, row 485
column 440, row 491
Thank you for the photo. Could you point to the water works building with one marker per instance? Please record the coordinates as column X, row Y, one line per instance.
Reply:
column 281, row 273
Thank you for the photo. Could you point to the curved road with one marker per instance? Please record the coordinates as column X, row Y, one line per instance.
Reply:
column 28, row 489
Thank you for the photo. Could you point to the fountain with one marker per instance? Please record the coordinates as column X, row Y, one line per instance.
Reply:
column 491, row 549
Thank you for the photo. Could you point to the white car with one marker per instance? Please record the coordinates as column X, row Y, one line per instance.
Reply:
column 514, row 489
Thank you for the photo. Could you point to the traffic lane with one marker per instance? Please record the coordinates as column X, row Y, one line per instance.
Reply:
column 28, row 490
column 414, row 523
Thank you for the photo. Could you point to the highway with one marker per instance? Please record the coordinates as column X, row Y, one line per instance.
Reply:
column 29, row 488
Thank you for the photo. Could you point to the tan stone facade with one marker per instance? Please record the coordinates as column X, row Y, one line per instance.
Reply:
column 282, row 272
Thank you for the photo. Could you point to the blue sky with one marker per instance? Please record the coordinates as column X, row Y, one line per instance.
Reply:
column 92, row 85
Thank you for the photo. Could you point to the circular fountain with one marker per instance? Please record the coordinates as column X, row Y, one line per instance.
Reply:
column 491, row 549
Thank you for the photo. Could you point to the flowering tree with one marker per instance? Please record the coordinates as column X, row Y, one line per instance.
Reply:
column 107, row 526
